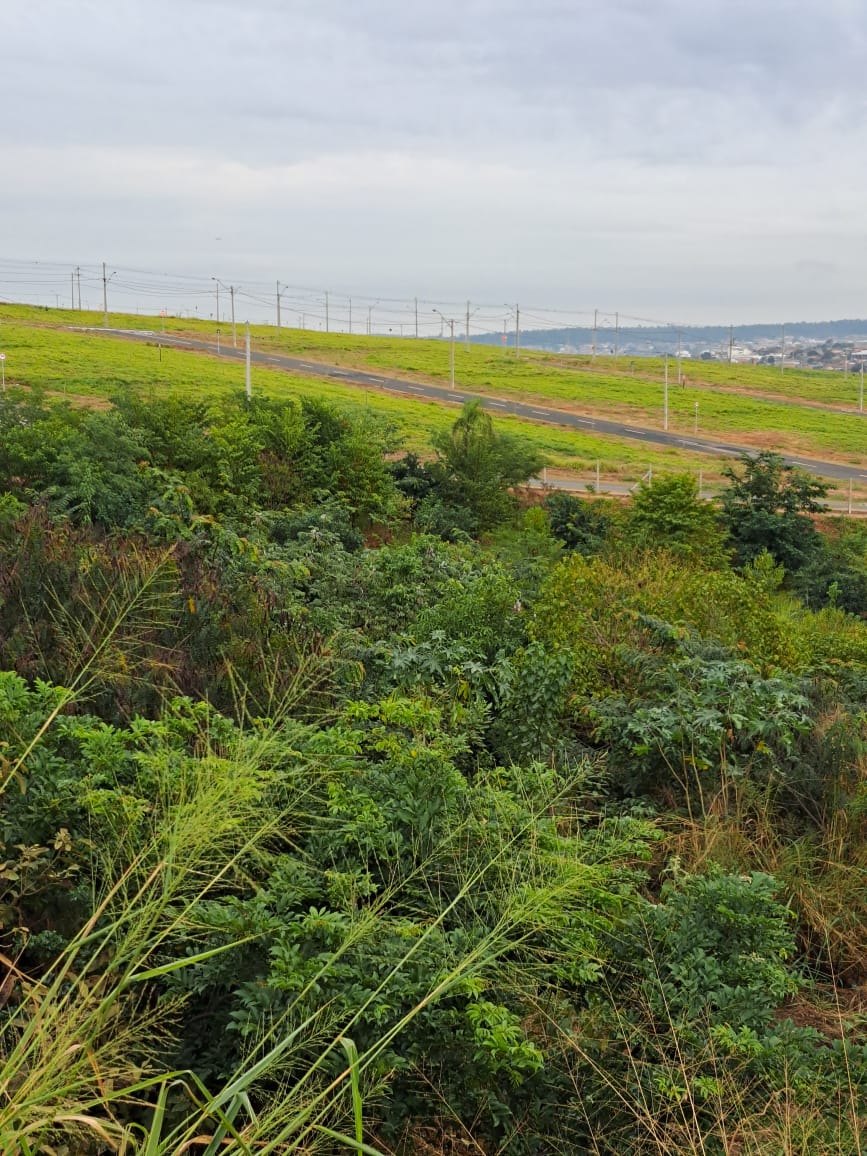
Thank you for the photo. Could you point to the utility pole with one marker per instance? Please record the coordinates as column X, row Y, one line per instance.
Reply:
column 616, row 332
column 517, row 330
column 679, row 357
column 861, row 389
column 350, row 314
column 72, row 282
column 467, row 334
column 731, row 342
column 452, row 351
column 416, row 316
column 326, row 311
column 278, row 306
column 247, row 381
column 782, row 348
column 665, row 397
column 217, row 284
column 232, row 295
column 104, row 298
column 595, row 315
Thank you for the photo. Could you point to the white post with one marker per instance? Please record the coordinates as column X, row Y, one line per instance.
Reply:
column 665, row 397
column 232, row 295
column 452, row 353
column 278, row 306
column 700, row 482
column 861, row 389
column 597, row 477
column 695, row 428
column 850, row 495
column 247, row 381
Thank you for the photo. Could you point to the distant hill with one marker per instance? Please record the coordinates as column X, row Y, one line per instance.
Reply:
column 661, row 338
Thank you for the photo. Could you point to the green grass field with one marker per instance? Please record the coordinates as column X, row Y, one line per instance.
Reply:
column 729, row 402
column 83, row 366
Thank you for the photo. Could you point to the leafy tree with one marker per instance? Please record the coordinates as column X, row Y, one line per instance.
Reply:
column 478, row 465
column 669, row 513
column 579, row 524
column 765, row 507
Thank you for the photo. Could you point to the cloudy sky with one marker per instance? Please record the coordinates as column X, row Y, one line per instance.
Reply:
column 676, row 159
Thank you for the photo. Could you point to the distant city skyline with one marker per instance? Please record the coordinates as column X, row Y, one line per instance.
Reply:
column 699, row 163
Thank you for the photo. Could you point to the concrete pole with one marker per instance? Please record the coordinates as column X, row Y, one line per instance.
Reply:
column 247, row 379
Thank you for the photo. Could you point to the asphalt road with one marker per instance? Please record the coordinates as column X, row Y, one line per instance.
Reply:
column 444, row 394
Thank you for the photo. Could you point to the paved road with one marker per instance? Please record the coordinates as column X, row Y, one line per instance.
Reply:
column 457, row 396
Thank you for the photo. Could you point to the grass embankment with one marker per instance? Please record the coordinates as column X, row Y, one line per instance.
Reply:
column 726, row 401
column 83, row 367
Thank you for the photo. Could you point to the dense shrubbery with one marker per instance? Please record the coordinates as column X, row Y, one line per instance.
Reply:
column 319, row 831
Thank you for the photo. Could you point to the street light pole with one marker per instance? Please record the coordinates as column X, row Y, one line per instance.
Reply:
column 450, row 321
column 105, row 281
column 278, row 306
column 665, row 397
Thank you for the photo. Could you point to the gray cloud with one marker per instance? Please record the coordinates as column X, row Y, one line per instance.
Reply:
column 619, row 147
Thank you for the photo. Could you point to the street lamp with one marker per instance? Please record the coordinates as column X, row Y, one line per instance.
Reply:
column 230, row 289
column 105, row 281
column 280, row 293
column 370, row 310
column 450, row 321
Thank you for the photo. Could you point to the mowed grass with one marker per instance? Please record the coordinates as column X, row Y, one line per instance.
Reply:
column 627, row 388
column 82, row 366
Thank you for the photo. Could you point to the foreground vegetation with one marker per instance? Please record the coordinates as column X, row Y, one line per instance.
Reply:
column 351, row 804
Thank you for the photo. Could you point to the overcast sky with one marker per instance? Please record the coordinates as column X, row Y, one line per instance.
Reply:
column 679, row 159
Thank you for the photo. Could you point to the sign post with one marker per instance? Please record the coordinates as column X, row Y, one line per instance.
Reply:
column 3, row 369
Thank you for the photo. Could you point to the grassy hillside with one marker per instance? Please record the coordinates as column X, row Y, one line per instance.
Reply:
column 733, row 403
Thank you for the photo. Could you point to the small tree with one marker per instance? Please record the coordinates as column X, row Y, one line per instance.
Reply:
column 478, row 465
column 765, row 507
column 669, row 513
